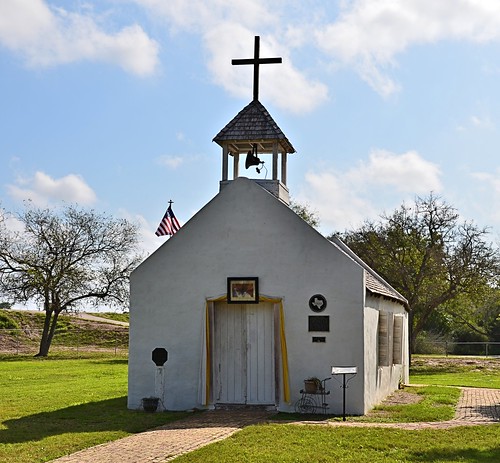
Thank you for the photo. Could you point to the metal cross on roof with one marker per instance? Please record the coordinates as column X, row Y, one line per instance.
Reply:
column 256, row 61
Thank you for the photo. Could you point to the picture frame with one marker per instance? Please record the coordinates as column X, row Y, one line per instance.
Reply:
column 243, row 290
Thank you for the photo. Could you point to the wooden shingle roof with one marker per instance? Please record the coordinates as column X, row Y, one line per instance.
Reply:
column 376, row 285
column 253, row 124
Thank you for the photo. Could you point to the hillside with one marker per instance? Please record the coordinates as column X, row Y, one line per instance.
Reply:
column 20, row 332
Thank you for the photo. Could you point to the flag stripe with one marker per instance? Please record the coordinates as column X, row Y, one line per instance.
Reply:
column 169, row 225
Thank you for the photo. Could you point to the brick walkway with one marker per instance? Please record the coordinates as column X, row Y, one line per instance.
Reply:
column 475, row 407
column 478, row 406
column 167, row 442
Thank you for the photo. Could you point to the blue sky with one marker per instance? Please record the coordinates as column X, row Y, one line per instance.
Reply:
column 113, row 104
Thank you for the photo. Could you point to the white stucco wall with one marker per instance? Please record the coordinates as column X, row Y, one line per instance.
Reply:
column 244, row 231
column 381, row 380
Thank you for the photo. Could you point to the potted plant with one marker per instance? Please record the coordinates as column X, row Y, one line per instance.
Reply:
column 150, row 404
column 312, row 385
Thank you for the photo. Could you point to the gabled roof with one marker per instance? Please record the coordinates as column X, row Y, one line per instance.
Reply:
column 253, row 124
column 374, row 283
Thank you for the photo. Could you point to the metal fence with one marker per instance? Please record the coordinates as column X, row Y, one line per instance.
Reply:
column 486, row 348
column 27, row 341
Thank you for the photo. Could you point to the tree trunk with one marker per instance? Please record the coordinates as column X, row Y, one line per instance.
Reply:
column 49, row 328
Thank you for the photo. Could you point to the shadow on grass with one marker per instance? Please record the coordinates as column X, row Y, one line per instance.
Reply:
column 103, row 416
column 283, row 416
column 469, row 455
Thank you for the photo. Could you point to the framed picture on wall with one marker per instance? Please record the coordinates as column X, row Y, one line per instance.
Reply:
column 243, row 290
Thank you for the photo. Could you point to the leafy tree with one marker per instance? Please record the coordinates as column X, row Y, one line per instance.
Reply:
column 489, row 313
column 305, row 212
column 64, row 258
column 429, row 256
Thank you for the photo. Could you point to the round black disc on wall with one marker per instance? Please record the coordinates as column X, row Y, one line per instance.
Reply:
column 317, row 303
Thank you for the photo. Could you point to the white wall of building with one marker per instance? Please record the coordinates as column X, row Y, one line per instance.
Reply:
column 382, row 380
column 246, row 232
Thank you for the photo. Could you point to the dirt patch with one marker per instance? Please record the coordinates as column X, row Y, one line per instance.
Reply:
column 455, row 364
column 402, row 397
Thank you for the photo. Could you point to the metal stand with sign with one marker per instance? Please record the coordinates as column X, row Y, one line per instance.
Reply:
column 347, row 373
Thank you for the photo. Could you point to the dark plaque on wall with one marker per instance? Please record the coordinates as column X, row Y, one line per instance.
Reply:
column 317, row 303
column 159, row 356
column 319, row 323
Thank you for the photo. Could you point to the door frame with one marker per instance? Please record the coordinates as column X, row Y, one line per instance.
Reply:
column 281, row 370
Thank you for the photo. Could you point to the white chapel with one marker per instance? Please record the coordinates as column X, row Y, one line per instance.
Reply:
column 247, row 301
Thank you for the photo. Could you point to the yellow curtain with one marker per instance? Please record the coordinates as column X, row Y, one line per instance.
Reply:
column 284, row 354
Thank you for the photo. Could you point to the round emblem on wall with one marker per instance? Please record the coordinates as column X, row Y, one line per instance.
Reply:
column 317, row 303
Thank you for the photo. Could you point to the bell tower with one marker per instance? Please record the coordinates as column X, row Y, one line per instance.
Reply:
column 254, row 133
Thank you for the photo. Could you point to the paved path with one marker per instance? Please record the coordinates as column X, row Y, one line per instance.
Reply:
column 167, row 442
column 475, row 407
column 96, row 318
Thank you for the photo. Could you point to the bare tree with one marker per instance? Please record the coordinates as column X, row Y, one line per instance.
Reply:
column 64, row 258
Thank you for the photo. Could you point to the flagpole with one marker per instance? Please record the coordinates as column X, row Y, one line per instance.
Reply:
column 170, row 202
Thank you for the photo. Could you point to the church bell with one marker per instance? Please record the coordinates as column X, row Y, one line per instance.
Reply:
column 252, row 159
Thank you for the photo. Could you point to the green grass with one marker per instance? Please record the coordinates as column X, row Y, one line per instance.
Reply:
column 52, row 407
column 456, row 371
column 434, row 403
column 121, row 317
column 308, row 443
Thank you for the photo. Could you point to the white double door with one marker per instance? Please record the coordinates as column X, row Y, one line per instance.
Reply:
column 244, row 370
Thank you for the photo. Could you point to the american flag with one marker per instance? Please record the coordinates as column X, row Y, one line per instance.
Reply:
column 169, row 224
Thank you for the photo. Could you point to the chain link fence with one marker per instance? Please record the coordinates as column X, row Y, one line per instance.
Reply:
column 483, row 348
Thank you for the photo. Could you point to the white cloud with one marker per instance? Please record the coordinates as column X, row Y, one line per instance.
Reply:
column 43, row 189
column 339, row 203
column 487, row 197
column 200, row 15
column 369, row 35
column 482, row 122
column 47, row 36
column 407, row 172
column 227, row 30
column 172, row 162
column 476, row 122
column 283, row 84
column 366, row 35
column 489, row 180
column 345, row 199
column 148, row 241
column 13, row 224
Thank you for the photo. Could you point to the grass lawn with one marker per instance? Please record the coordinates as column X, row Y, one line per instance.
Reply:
column 432, row 403
column 456, row 371
column 308, row 443
column 52, row 407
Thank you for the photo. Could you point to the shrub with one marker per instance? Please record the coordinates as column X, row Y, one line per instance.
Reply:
column 7, row 322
